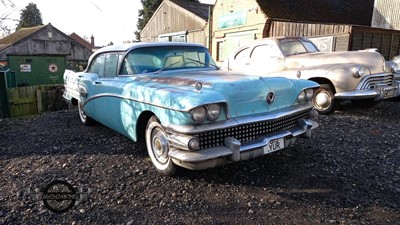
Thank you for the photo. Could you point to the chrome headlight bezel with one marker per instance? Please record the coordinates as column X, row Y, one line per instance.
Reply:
column 309, row 94
column 305, row 95
column 198, row 114
column 213, row 111
column 394, row 68
column 359, row 71
column 210, row 112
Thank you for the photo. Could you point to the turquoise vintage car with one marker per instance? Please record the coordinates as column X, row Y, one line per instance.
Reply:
column 189, row 113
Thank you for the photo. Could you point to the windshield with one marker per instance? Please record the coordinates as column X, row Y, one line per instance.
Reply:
column 297, row 47
column 156, row 59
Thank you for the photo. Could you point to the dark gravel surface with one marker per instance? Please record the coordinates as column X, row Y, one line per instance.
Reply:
column 348, row 173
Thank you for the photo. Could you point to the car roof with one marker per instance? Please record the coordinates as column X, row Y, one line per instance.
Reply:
column 128, row 47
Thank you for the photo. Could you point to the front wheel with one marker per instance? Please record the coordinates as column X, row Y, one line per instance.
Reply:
column 85, row 119
column 324, row 100
column 158, row 147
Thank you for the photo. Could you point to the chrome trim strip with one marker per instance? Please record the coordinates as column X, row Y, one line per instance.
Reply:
column 193, row 129
column 377, row 93
column 357, row 94
column 149, row 103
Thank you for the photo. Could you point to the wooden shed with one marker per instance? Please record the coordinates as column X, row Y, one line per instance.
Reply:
column 178, row 20
column 31, row 60
column 386, row 14
column 333, row 25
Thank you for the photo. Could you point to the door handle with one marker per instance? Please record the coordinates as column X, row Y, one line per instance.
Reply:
column 97, row 82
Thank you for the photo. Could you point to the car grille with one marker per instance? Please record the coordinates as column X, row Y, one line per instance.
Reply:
column 372, row 81
column 248, row 132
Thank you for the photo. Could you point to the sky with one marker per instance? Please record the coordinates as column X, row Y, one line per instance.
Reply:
column 107, row 20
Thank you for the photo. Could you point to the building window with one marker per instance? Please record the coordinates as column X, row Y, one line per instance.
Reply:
column 220, row 51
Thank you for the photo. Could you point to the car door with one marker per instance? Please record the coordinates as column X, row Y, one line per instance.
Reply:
column 265, row 59
column 240, row 62
column 107, row 92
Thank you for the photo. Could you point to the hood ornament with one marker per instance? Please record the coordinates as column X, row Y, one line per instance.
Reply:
column 270, row 97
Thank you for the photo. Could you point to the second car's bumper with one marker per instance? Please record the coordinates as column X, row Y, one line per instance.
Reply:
column 378, row 93
column 233, row 150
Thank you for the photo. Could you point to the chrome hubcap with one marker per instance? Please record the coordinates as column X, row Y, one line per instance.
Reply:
column 82, row 113
column 323, row 100
column 160, row 146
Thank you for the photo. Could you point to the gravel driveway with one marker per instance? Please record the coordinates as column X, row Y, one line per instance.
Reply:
column 348, row 173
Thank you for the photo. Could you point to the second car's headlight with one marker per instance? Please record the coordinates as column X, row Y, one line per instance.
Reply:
column 199, row 114
column 359, row 71
column 394, row 68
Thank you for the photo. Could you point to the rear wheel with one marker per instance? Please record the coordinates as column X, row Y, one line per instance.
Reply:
column 158, row 147
column 324, row 100
column 85, row 119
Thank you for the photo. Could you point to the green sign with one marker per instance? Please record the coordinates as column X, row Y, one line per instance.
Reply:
column 232, row 20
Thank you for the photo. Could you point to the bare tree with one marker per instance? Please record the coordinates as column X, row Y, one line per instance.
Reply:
column 4, row 29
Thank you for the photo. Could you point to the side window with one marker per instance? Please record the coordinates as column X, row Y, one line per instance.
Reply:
column 243, row 54
column 265, row 51
column 111, row 65
column 97, row 66
column 105, row 65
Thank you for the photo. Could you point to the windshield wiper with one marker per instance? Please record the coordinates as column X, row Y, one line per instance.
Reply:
column 166, row 67
column 197, row 61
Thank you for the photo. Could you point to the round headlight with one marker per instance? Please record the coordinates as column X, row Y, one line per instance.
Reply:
column 199, row 114
column 309, row 94
column 302, row 97
column 359, row 71
column 213, row 111
column 194, row 144
column 394, row 68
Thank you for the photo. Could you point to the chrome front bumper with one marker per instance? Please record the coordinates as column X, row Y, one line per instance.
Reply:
column 378, row 93
column 233, row 150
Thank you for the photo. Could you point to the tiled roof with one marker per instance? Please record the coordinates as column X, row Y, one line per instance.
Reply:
column 81, row 41
column 327, row 11
column 199, row 9
column 18, row 36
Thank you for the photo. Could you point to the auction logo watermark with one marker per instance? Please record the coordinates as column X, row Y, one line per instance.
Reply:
column 59, row 196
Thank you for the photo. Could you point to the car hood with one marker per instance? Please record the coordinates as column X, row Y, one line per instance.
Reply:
column 242, row 95
column 371, row 60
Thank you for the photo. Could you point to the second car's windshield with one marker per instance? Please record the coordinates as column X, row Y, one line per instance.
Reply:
column 297, row 47
column 156, row 59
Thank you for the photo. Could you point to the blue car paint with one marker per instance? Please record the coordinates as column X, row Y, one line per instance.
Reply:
column 118, row 102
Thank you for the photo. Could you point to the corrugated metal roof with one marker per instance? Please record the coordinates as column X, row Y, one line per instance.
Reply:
column 326, row 11
column 199, row 9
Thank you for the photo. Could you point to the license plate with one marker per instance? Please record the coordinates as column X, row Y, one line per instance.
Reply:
column 274, row 145
column 389, row 93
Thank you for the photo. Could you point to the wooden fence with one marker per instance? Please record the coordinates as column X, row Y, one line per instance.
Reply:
column 30, row 100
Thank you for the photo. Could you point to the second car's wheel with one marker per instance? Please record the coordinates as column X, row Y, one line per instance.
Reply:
column 158, row 147
column 324, row 101
column 85, row 119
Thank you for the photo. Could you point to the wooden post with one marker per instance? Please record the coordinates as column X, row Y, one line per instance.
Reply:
column 39, row 100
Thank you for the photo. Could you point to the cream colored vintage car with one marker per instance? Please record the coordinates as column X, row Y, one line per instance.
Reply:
column 359, row 76
column 396, row 62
